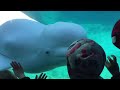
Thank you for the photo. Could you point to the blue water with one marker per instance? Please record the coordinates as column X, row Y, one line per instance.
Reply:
column 98, row 26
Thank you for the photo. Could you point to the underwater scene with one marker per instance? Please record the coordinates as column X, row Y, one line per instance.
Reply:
column 97, row 24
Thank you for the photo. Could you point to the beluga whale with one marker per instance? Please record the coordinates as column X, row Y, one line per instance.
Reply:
column 38, row 47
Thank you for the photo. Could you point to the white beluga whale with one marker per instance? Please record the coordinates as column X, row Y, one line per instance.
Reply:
column 38, row 47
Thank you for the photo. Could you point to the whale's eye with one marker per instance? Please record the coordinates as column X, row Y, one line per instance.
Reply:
column 47, row 52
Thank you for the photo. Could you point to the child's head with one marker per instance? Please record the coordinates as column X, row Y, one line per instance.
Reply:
column 85, row 59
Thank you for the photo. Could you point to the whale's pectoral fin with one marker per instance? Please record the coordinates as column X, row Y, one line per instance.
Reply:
column 4, row 62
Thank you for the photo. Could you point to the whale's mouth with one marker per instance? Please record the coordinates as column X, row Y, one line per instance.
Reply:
column 61, row 55
column 61, row 52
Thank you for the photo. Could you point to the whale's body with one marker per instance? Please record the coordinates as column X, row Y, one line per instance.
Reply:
column 36, row 46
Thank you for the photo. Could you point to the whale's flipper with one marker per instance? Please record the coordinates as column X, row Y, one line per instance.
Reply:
column 4, row 62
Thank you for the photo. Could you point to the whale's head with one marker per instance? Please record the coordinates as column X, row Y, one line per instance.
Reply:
column 64, row 33
column 56, row 38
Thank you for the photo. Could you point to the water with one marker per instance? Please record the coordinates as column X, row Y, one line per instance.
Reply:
column 98, row 30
